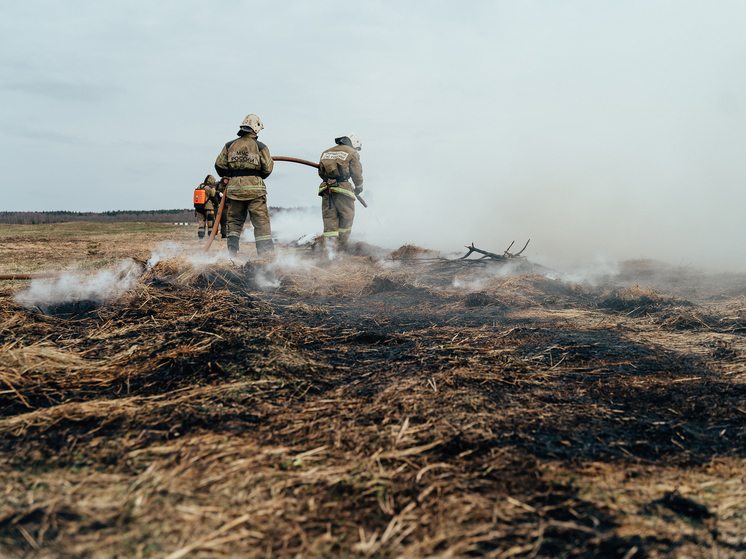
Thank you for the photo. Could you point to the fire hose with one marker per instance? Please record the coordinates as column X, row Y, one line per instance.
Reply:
column 311, row 164
column 219, row 214
column 215, row 225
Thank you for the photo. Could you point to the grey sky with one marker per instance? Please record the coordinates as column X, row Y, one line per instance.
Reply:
column 598, row 129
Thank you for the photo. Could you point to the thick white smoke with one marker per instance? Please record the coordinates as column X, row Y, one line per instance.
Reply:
column 99, row 287
column 591, row 273
column 170, row 250
column 108, row 284
column 268, row 277
column 293, row 225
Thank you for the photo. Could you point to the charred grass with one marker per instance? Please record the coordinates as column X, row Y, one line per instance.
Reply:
column 348, row 408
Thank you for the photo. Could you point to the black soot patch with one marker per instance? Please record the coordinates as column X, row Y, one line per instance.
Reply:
column 478, row 299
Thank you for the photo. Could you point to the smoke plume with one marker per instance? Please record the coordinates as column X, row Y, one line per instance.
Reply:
column 99, row 287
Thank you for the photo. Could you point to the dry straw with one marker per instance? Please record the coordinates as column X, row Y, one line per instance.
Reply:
column 342, row 408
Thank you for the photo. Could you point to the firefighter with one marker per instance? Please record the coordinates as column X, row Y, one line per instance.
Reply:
column 246, row 162
column 205, row 211
column 337, row 166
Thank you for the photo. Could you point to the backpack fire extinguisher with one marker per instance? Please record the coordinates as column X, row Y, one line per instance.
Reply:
column 200, row 197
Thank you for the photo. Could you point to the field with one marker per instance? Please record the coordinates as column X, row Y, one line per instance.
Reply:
column 373, row 404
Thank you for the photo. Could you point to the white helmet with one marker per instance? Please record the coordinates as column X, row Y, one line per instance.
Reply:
column 355, row 140
column 252, row 123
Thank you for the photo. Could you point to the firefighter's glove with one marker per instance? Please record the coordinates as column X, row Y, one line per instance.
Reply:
column 358, row 191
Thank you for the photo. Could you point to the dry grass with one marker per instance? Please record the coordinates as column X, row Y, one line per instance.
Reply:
column 339, row 409
column 407, row 253
column 82, row 246
column 342, row 277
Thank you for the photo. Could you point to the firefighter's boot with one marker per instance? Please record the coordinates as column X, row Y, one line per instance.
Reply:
column 232, row 246
column 265, row 247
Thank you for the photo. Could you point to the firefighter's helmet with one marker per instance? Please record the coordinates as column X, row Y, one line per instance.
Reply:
column 355, row 140
column 352, row 140
column 252, row 123
column 209, row 180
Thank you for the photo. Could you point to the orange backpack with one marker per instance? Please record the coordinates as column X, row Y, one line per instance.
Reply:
column 200, row 197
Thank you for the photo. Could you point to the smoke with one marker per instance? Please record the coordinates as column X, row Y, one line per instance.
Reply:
column 291, row 225
column 477, row 280
column 269, row 275
column 171, row 250
column 164, row 251
column 603, row 133
column 111, row 283
column 590, row 273
column 299, row 225
column 100, row 287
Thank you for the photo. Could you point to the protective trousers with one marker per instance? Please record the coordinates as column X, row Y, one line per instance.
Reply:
column 204, row 221
column 338, row 217
column 259, row 214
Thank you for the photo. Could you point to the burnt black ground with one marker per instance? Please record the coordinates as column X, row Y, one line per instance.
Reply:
column 488, row 376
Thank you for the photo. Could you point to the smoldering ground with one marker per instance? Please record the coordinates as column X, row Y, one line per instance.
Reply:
column 343, row 405
column 70, row 289
column 301, row 228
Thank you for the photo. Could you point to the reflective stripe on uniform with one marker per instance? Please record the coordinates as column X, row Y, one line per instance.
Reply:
column 242, row 167
column 343, row 191
column 248, row 187
column 234, row 234
column 343, row 230
column 337, row 189
column 263, row 238
column 331, row 233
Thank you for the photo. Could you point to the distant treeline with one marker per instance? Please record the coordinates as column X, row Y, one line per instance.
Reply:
column 154, row 216
column 151, row 216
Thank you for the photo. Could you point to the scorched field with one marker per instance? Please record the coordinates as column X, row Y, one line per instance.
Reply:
column 384, row 404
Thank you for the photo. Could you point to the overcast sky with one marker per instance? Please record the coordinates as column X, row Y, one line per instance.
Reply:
column 600, row 130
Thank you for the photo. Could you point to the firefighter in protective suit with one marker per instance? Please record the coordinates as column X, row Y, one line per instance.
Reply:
column 337, row 166
column 206, row 213
column 246, row 162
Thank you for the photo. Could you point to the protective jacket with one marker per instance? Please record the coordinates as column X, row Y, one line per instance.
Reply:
column 336, row 167
column 246, row 161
